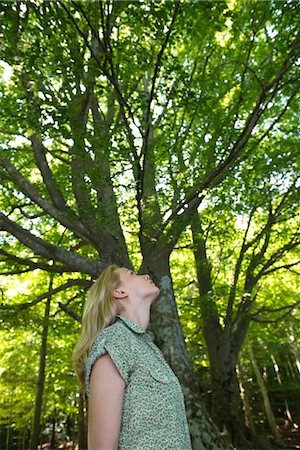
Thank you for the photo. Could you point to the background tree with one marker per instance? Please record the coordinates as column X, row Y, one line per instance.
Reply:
column 148, row 104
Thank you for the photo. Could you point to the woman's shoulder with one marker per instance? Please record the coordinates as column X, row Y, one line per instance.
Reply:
column 112, row 333
column 117, row 342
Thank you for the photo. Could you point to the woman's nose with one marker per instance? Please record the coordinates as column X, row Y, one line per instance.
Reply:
column 147, row 276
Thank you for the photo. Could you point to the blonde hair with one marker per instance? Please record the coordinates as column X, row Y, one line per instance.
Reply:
column 99, row 312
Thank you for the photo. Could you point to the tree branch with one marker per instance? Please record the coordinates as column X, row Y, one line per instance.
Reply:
column 42, row 163
column 276, row 120
column 32, row 265
column 69, row 220
column 276, row 256
column 111, row 77
column 48, row 294
column 149, row 126
column 220, row 172
column 50, row 251
column 70, row 313
column 284, row 266
column 289, row 308
column 157, row 66
column 39, row 150
column 237, row 271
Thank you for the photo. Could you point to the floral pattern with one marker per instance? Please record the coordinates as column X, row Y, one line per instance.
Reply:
column 153, row 416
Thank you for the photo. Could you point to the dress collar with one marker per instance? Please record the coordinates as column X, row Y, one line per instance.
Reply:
column 132, row 325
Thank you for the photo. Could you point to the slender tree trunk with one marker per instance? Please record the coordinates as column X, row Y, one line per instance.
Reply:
column 245, row 399
column 69, row 427
column 264, row 393
column 24, row 432
column 295, row 349
column 8, row 425
column 36, row 426
column 53, row 437
column 20, row 439
column 82, row 428
column 7, row 440
column 279, row 380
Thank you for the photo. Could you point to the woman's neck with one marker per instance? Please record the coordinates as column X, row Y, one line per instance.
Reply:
column 141, row 318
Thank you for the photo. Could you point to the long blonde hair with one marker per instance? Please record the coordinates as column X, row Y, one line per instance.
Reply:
column 99, row 312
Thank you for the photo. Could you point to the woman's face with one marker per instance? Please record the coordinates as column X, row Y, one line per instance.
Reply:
column 139, row 286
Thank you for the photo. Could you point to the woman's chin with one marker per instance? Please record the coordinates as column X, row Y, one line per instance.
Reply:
column 156, row 295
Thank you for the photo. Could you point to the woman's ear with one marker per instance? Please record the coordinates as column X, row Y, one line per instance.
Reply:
column 119, row 293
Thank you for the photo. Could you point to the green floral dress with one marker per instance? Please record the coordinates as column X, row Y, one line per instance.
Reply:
column 153, row 416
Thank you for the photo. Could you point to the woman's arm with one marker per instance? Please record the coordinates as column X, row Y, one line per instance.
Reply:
column 105, row 405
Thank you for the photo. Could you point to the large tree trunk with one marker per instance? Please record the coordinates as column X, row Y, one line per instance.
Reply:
column 227, row 409
column 226, row 400
column 165, row 325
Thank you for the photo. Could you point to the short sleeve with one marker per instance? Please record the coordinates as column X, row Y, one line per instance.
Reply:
column 119, row 351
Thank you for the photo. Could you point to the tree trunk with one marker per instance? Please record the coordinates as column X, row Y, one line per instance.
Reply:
column 165, row 325
column 36, row 427
column 7, row 440
column 226, row 400
column 222, row 350
column 279, row 380
column 53, row 434
column 295, row 349
column 264, row 393
column 82, row 428
column 245, row 399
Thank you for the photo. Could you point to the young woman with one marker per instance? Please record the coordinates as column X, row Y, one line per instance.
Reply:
column 135, row 399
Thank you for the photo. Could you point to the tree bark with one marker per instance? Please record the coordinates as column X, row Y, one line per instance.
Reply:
column 264, row 393
column 222, row 350
column 36, row 426
column 7, row 440
column 294, row 347
column 246, row 399
column 82, row 424
column 53, row 431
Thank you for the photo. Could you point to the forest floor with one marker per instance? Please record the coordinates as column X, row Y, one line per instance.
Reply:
column 291, row 437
